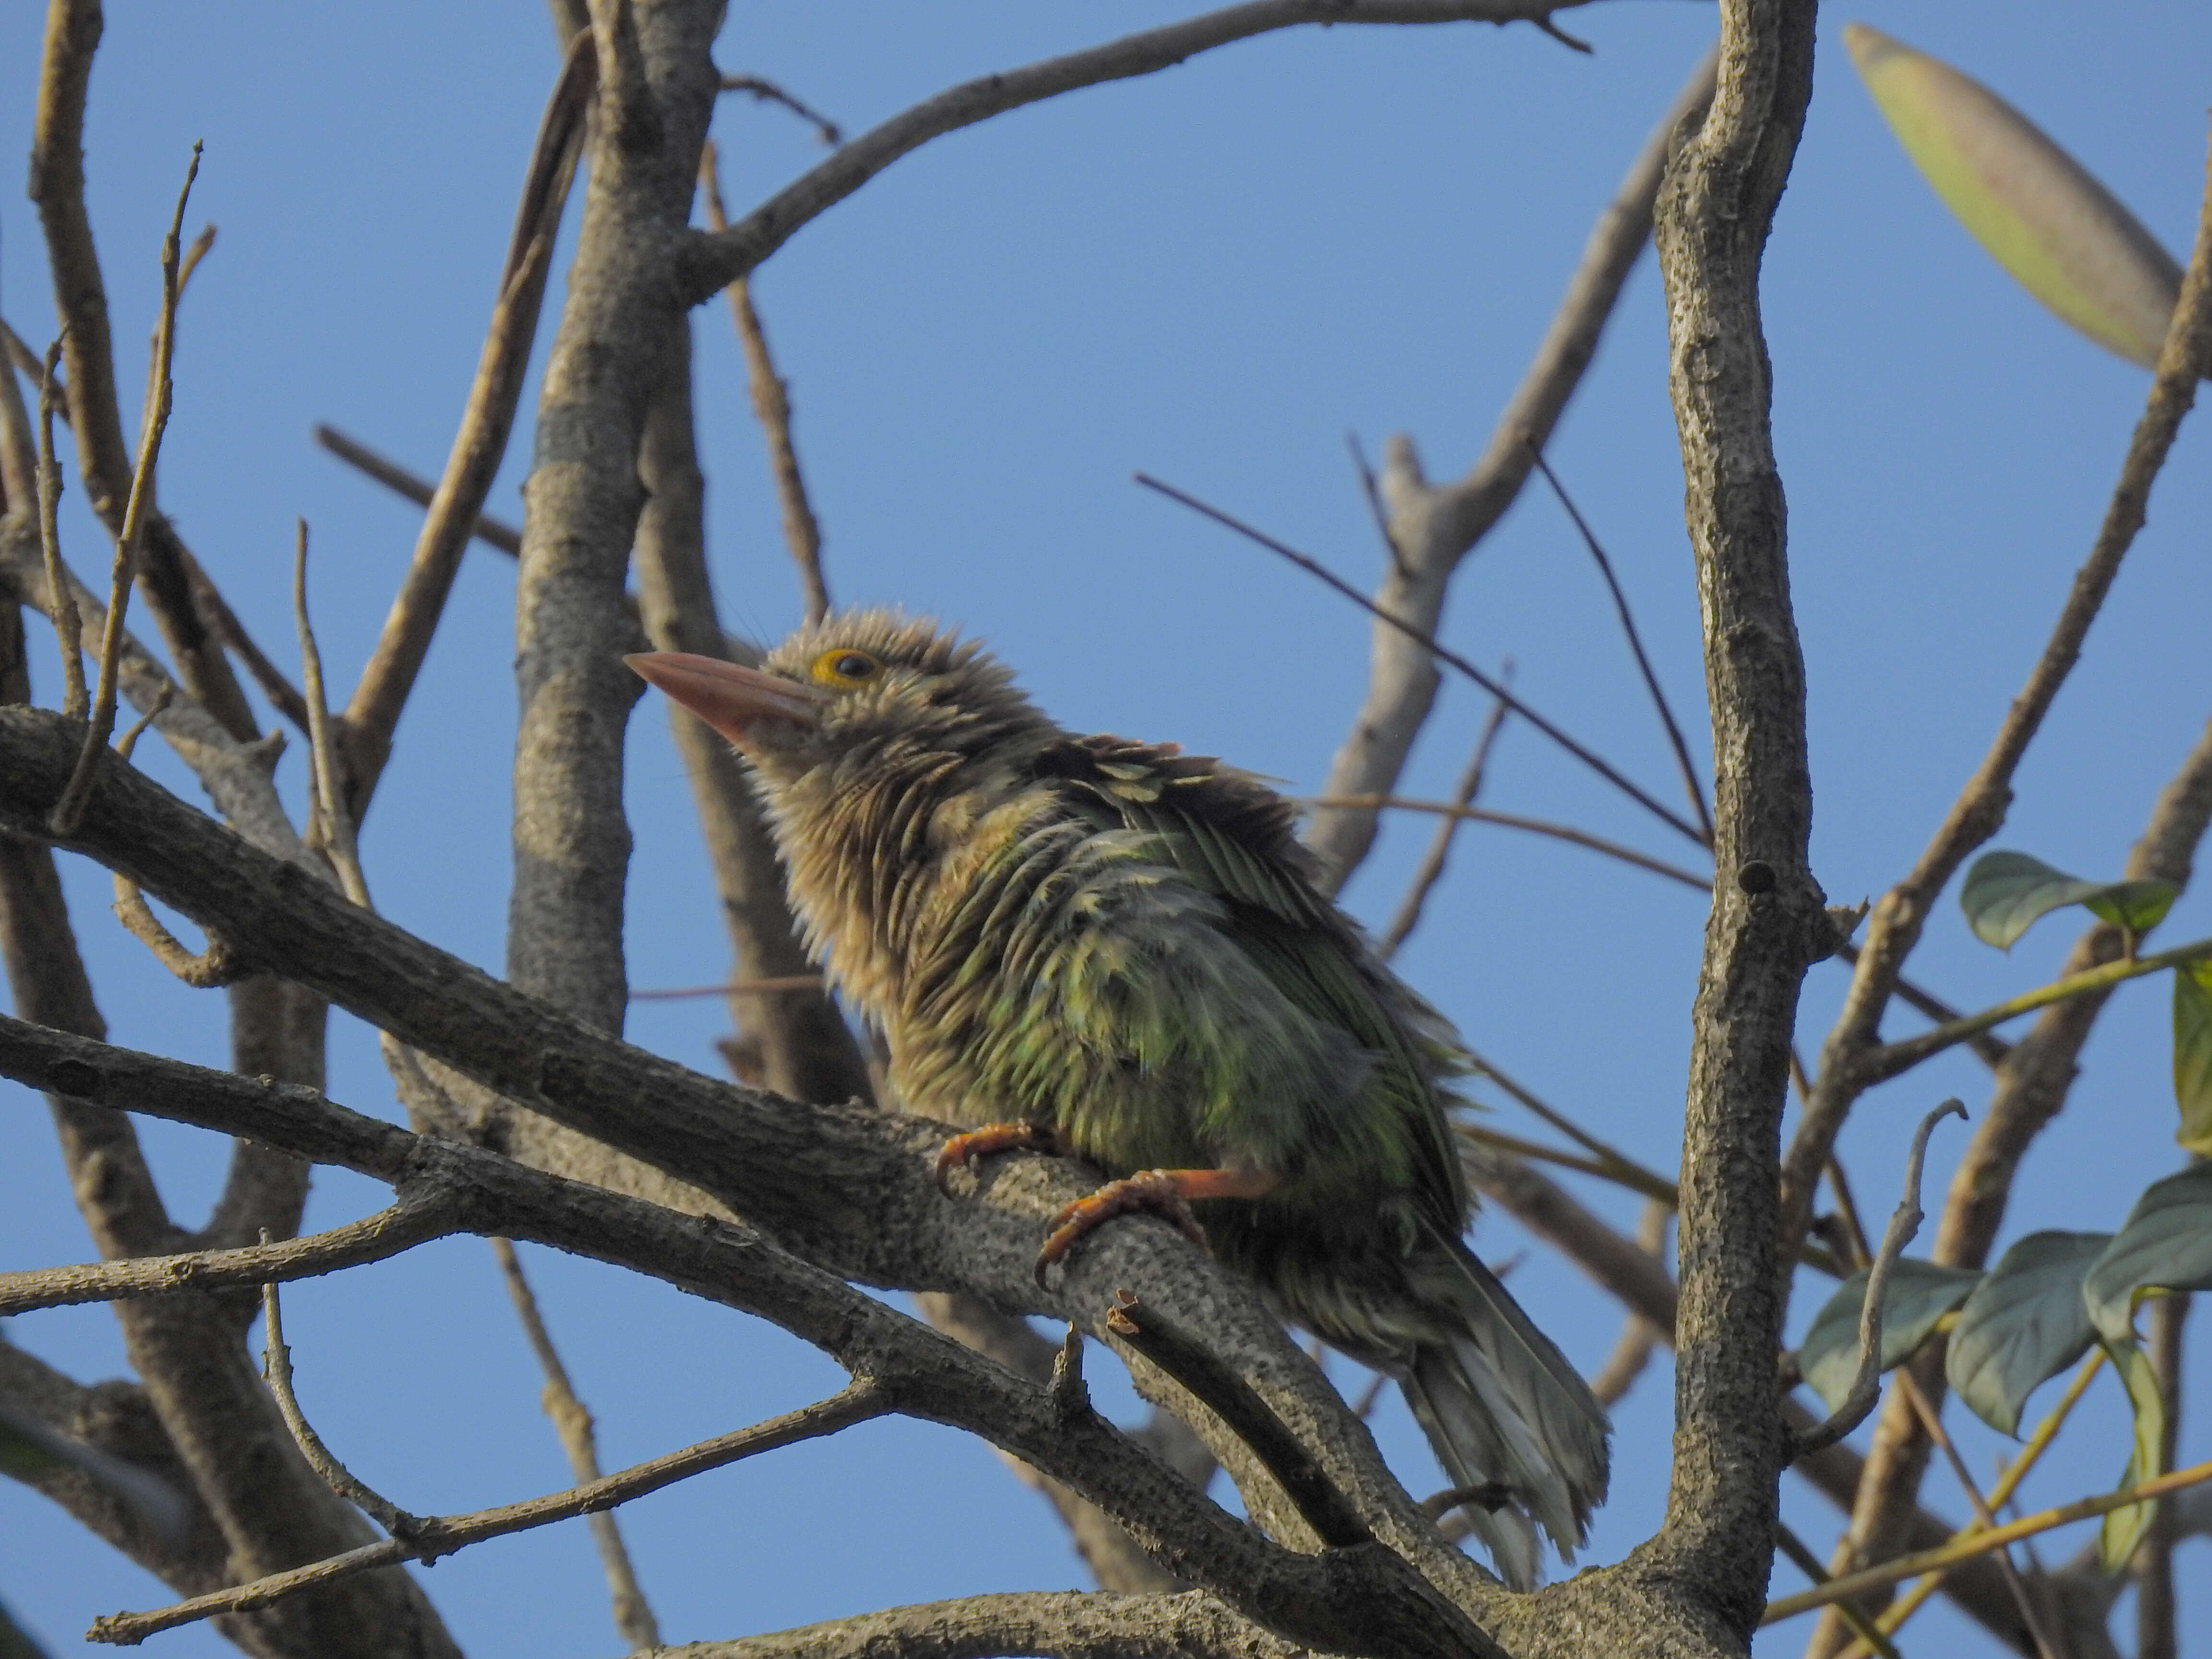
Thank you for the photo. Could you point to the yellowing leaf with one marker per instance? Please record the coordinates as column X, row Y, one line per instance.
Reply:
column 2192, row 1054
column 2062, row 235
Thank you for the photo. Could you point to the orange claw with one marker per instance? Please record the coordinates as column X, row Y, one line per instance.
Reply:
column 1163, row 1193
column 963, row 1150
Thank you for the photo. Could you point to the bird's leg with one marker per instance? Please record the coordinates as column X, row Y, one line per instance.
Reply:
column 1164, row 1192
column 963, row 1150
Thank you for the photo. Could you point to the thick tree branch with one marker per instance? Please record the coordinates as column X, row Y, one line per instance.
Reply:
column 1363, row 1600
column 850, row 1186
column 1712, row 219
column 1050, row 1624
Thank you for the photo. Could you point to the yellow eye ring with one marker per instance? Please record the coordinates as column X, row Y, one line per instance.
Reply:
column 846, row 668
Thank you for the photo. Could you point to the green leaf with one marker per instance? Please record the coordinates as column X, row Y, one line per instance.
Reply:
column 1919, row 1294
column 2023, row 1325
column 2167, row 1245
column 2062, row 236
column 2005, row 893
column 2192, row 1054
column 2123, row 1528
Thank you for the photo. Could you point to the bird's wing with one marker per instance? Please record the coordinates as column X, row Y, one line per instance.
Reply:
column 1228, row 833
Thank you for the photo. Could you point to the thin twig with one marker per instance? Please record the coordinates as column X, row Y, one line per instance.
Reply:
column 68, row 810
column 1895, row 926
column 417, row 1216
column 276, row 1367
column 1620, row 1172
column 202, row 244
column 67, row 627
column 440, row 1535
column 1690, row 784
column 1450, row 658
column 1432, row 871
column 715, row 260
column 493, row 532
column 633, row 1615
column 1931, row 1423
column 1891, row 1058
column 771, row 398
column 1903, row 1222
column 2007, row 1483
column 1801, row 1557
column 1612, row 849
column 282, row 695
column 332, row 817
column 734, row 987
column 1377, row 507
column 768, row 92
column 1967, row 1546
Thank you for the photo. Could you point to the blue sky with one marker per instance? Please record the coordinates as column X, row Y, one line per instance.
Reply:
column 1213, row 274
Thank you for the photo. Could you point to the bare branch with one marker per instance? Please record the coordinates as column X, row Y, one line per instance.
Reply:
column 1565, row 832
column 1691, row 786
column 1879, row 1064
column 1427, row 642
column 1712, row 219
column 372, row 715
column 1431, row 869
column 132, row 534
column 415, row 1219
column 76, row 703
column 633, row 1618
column 771, row 398
column 1363, row 1600
column 396, row 478
column 1175, row 1351
column 1903, row 1223
column 768, row 92
column 1060, row 1624
column 1898, row 919
column 1640, row 1336
column 715, row 261
column 1434, row 528
column 276, row 1368
column 435, row 1535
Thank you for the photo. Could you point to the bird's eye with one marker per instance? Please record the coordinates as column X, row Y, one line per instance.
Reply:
column 846, row 667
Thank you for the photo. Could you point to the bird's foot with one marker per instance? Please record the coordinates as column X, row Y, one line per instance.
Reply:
column 1163, row 1193
column 963, row 1150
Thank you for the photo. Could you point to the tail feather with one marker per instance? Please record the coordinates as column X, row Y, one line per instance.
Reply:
column 1502, row 1407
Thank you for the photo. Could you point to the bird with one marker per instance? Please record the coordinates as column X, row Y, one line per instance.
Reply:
column 1117, row 951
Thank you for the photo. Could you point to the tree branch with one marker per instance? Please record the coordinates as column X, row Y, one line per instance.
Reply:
column 1363, row 1600
column 1713, row 220
column 1895, row 925
column 1434, row 528
column 372, row 715
column 710, row 261
column 1049, row 1624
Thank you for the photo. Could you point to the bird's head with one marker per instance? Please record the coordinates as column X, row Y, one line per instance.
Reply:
column 856, row 689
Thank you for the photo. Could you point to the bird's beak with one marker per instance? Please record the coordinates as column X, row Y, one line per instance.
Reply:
column 728, row 697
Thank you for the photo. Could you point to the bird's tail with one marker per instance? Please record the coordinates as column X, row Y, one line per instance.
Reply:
column 1504, row 1411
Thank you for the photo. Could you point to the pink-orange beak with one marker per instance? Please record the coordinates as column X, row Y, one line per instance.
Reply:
column 728, row 697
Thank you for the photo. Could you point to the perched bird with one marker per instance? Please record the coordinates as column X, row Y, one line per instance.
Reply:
column 1118, row 950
